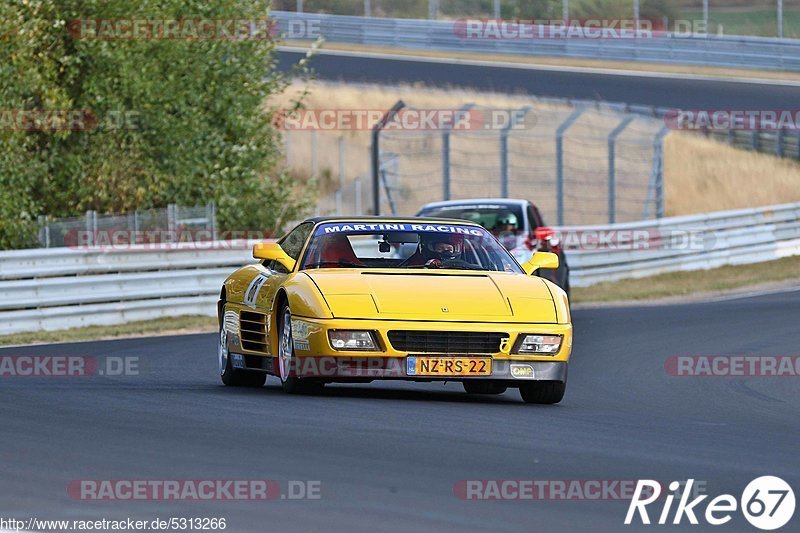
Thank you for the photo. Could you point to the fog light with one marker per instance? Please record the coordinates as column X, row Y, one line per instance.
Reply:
column 352, row 340
column 543, row 344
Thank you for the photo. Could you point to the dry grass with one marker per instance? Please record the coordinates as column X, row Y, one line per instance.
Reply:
column 326, row 145
column 695, row 284
column 181, row 325
column 702, row 175
column 358, row 96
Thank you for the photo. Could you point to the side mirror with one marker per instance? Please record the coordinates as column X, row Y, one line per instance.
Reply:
column 540, row 260
column 273, row 252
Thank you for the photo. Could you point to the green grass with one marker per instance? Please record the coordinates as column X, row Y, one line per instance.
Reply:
column 761, row 22
column 691, row 283
column 182, row 324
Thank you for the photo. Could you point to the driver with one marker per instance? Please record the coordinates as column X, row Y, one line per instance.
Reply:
column 441, row 247
column 507, row 222
column 505, row 229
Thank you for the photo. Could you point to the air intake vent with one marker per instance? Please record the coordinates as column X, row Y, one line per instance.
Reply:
column 253, row 328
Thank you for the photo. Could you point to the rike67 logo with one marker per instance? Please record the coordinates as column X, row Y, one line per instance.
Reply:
column 767, row 503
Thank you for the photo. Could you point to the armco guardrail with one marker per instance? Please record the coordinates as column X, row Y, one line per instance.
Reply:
column 710, row 50
column 57, row 288
column 676, row 244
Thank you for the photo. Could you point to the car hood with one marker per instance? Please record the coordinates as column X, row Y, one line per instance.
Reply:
column 441, row 295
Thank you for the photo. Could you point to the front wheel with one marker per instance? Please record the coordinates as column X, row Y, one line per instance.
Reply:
column 286, row 360
column 543, row 392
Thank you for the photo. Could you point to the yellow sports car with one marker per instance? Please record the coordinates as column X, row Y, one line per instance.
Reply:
column 368, row 298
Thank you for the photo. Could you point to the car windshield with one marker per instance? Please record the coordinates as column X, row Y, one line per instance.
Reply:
column 407, row 246
column 496, row 218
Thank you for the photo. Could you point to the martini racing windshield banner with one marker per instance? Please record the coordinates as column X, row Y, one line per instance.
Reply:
column 352, row 227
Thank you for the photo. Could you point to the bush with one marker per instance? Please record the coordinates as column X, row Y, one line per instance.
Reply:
column 194, row 128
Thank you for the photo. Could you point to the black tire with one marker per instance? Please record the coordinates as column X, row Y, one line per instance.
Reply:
column 235, row 377
column 289, row 383
column 483, row 387
column 543, row 392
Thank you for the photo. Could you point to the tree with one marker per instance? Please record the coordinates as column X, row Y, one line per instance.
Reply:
column 176, row 120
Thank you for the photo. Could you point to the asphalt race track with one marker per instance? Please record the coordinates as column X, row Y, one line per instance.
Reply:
column 643, row 90
column 388, row 455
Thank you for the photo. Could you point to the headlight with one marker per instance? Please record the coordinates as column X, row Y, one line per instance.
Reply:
column 353, row 340
column 539, row 344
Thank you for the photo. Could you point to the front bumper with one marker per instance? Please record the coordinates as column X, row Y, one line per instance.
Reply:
column 316, row 358
column 346, row 369
column 311, row 337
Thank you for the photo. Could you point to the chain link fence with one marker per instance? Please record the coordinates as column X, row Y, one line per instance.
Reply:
column 581, row 164
column 124, row 228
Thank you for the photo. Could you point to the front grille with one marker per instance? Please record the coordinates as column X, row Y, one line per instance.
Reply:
column 446, row 342
column 253, row 327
